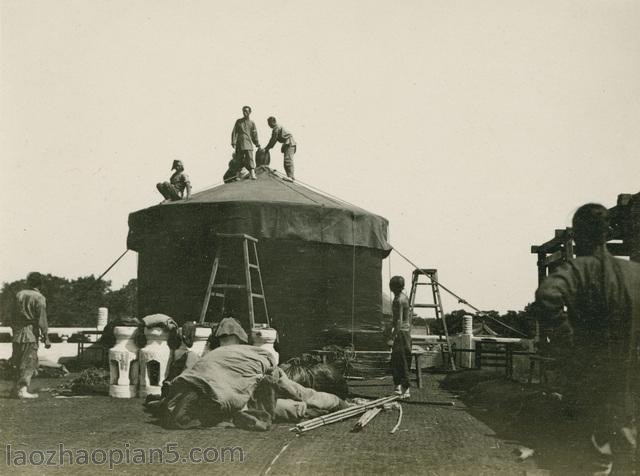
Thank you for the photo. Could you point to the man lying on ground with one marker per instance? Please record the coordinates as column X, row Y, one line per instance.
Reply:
column 242, row 383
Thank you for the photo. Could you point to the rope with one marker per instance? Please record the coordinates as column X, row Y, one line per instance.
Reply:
column 207, row 188
column 395, row 428
column 461, row 300
column 389, row 259
column 353, row 279
column 268, row 468
column 282, row 182
column 327, row 194
column 84, row 295
column 113, row 264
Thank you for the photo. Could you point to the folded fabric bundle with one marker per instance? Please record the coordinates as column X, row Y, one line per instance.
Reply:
column 159, row 320
column 108, row 338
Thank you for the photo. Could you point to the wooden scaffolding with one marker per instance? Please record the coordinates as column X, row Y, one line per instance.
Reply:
column 624, row 241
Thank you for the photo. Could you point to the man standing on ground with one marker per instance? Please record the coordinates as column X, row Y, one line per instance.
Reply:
column 29, row 323
column 280, row 134
column 174, row 189
column 602, row 297
column 243, row 137
column 400, row 337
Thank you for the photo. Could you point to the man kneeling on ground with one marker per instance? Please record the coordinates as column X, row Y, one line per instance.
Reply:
column 239, row 382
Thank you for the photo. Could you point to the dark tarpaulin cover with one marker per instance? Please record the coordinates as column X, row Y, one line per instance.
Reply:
column 307, row 258
column 311, row 297
column 265, row 208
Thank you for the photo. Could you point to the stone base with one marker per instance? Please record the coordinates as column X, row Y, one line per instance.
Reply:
column 149, row 390
column 122, row 391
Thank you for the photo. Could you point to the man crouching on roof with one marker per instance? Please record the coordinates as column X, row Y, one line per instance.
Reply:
column 242, row 383
column 178, row 187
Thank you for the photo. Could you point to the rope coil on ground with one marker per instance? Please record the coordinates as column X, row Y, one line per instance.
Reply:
column 395, row 428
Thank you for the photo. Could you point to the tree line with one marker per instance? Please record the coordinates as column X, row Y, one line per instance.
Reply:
column 74, row 302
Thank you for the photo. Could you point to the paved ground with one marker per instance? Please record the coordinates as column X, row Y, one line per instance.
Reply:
column 433, row 440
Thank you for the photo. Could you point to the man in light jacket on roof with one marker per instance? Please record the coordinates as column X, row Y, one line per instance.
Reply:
column 280, row 134
column 243, row 137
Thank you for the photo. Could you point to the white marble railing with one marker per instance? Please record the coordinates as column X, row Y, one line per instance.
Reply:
column 466, row 340
column 58, row 350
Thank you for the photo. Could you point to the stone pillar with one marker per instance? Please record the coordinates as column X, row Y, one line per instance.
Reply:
column 154, row 361
column 265, row 337
column 466, row 342
column 103, row 318
column 123, row 364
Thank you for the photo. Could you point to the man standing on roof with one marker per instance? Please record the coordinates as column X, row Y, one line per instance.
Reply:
column 602, row 297
column 243, row 137
column 28, row 324
column 280, row 134
column 174, row 189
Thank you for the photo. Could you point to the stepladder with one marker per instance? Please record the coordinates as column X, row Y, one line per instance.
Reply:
column 429, row 277
column 235, row 285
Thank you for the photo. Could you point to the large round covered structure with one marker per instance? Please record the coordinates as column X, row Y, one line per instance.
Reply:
column 321, row 259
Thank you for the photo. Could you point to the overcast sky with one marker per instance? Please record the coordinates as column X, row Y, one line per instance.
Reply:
column 475, row 127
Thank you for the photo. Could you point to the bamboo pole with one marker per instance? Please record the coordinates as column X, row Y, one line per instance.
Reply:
column 366, row 418
column 342, row 414
column 355, row 408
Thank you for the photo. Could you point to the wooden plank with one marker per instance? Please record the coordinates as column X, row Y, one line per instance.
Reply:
column 542, row 270
column 212, row 279
column 555, row 243
column 247, row 277
column 424, row 271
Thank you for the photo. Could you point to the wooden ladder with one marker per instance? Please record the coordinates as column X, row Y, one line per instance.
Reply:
column 436, row 305
column 223, row 261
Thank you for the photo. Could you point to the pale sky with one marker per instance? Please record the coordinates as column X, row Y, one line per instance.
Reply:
column 475, row 127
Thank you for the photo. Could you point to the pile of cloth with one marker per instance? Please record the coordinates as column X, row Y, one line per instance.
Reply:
column 310, row 371
column 238, row 384
column 108, row 338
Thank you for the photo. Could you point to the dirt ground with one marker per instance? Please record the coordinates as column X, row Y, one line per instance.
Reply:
column 433, row 439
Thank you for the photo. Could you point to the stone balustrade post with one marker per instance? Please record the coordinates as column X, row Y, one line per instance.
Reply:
column 123, row 364
column 154, row 361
